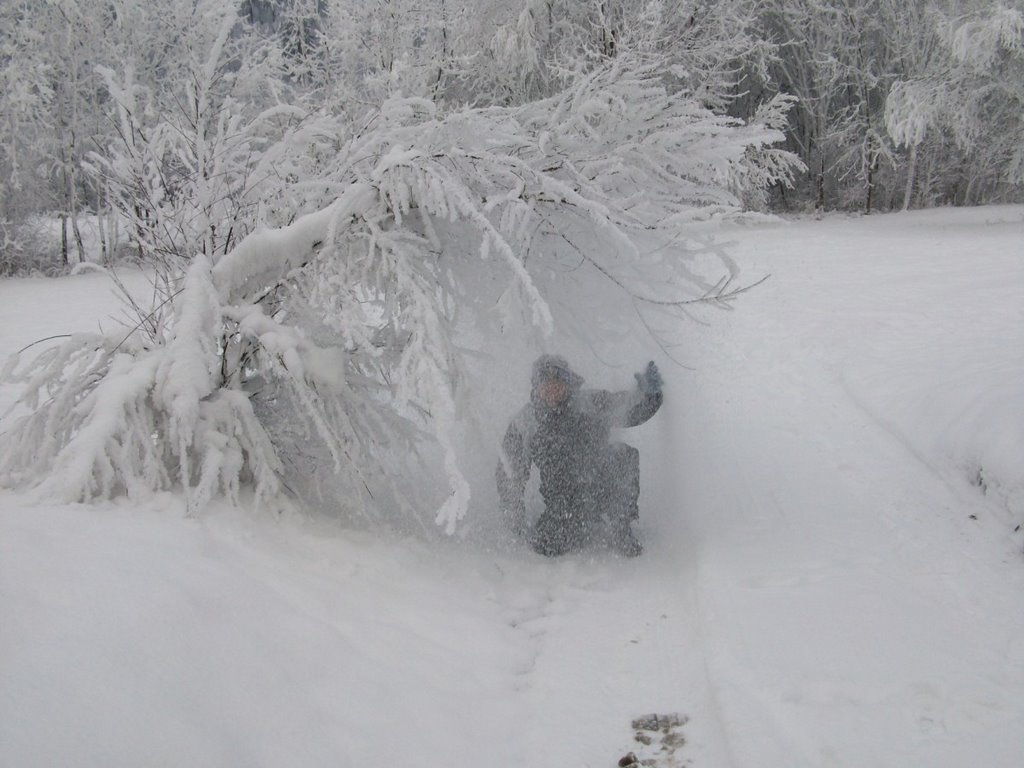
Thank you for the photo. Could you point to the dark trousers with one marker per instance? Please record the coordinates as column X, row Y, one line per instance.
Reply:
column 595, row 508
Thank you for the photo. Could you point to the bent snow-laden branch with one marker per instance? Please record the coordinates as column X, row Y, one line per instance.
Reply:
column 315, row 359
column 266, row 257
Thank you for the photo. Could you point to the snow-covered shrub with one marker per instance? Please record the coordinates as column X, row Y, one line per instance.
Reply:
column 206, row 151
column 27, row 247
column 336, row 334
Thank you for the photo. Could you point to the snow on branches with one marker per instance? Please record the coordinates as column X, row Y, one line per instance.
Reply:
column 338, row 329
column 972, row 97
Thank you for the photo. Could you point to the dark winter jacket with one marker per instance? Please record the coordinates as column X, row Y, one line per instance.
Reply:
column 568, row 443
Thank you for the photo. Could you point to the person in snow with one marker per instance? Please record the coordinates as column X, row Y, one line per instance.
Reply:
column 590, row 486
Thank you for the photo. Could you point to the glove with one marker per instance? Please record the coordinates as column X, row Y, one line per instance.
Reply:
column 650, row 380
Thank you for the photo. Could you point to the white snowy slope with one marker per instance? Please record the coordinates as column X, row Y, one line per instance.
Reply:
column 855, row 611
column 832, row 575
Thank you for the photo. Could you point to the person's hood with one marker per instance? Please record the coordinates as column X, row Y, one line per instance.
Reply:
column 553, row 366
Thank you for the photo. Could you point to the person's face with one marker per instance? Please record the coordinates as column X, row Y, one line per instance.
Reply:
column 553, row 391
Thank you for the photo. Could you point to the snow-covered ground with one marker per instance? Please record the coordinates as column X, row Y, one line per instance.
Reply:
column 832, row 577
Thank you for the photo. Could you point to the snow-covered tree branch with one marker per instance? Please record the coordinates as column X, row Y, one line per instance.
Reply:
column 338, row 330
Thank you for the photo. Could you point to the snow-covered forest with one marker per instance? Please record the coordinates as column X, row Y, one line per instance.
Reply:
column 144, row 126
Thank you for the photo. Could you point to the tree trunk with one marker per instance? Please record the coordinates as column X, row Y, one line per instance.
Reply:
column 101, row 224
column 75, row 229
column 443, row 63
column 68, row 214
column 911, row 173
column 873, row 163
column 64, row 237
column 820, row 202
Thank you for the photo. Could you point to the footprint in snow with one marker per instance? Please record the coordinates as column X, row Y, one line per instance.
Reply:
column 658, row 738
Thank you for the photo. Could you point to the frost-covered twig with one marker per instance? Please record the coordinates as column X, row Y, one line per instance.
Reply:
column 43, row 341
column 719, row 296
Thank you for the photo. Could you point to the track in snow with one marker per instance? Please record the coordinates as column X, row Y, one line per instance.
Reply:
column 814, row 590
